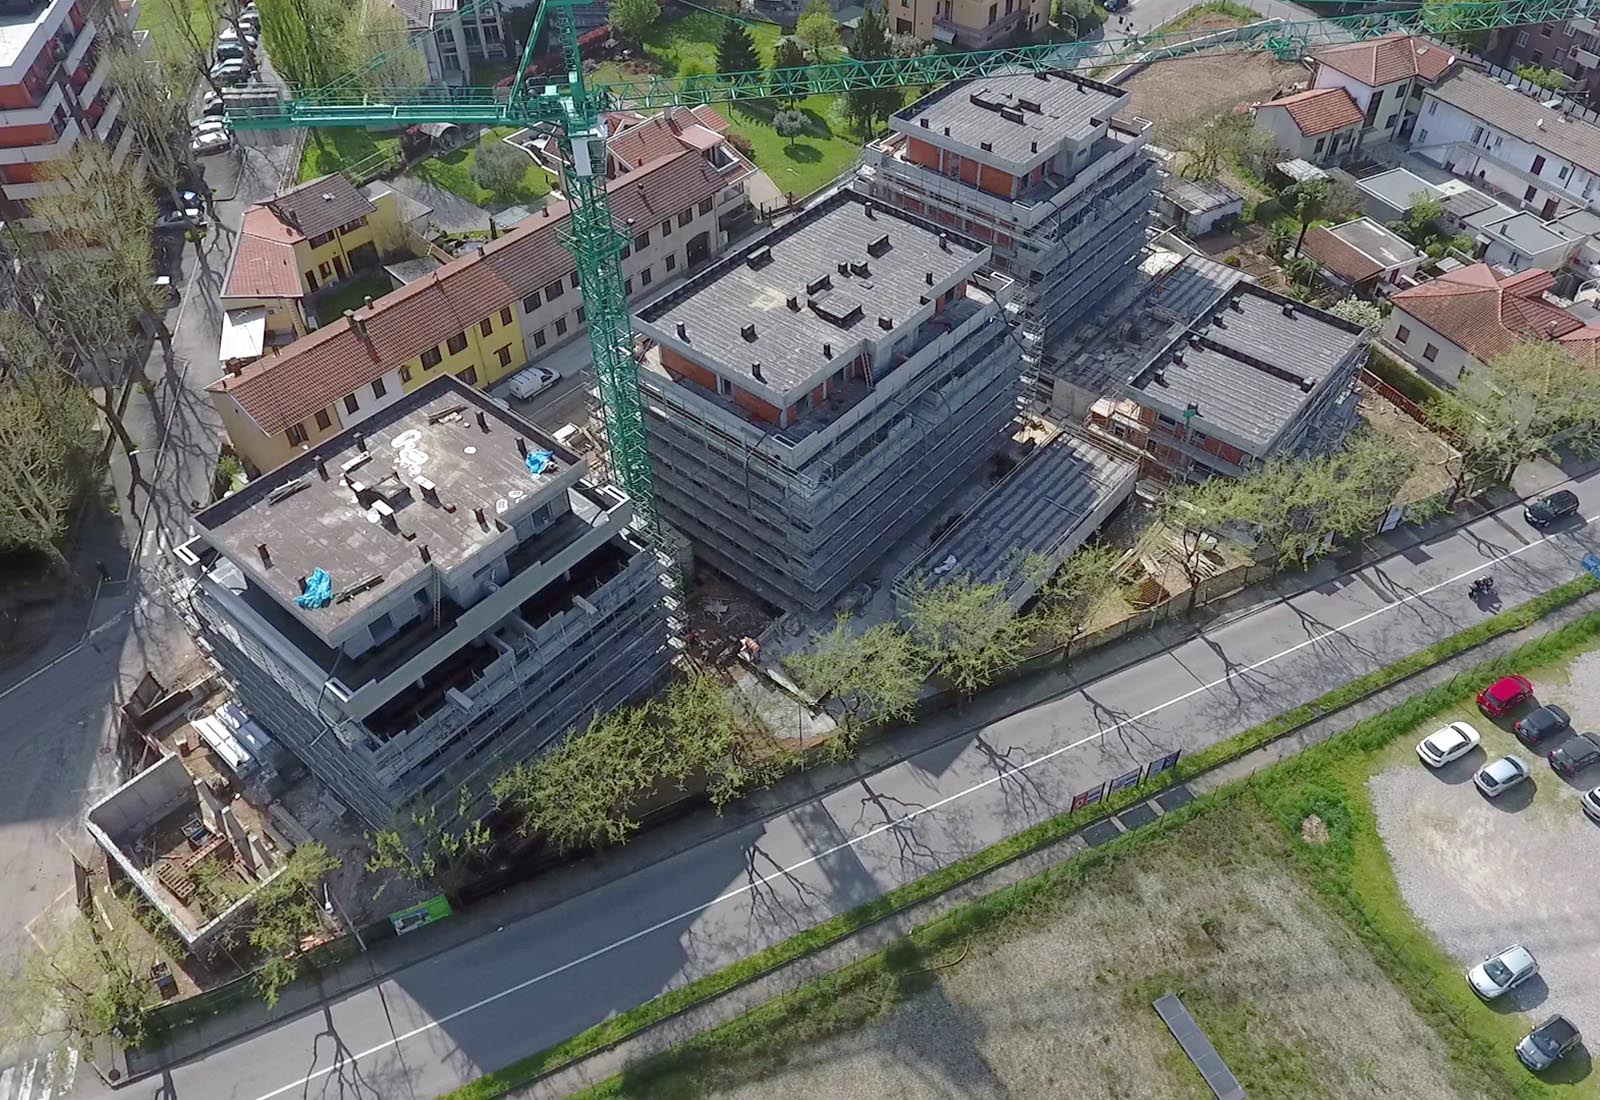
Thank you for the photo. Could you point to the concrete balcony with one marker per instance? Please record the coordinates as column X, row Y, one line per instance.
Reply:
column 79, row 47
column 124, row 145
column 1587, row 58
column 39, row 154
column 35, row 116
column 109, row 119
column 1582, row 25
column 22, row 192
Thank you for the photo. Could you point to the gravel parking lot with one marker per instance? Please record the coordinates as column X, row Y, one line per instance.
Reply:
column 1484, row 874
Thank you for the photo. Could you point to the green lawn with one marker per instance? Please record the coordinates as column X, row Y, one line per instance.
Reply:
column 351, row 294
column 163, row 18
column 829, row 147
column 486, row 74
column 341, row 147
column 453, row 172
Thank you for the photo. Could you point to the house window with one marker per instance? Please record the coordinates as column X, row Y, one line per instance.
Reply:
column 1522, row 39
column 554, row 291
column 324, row 421
column 1422, row 136
column 1320, row 143
column 1430, row 353
column 504, row 355
column 1527, row 196
column 580, row 315
column 724, row 387
column 684, row 218
column 994, row 10
column 642, row 240
column 538, row 339
column 1372, row 106
column 561, row 326
column 456, row 344
column 351, row 405
column 321, row 239
column 351, row 227
column 430, row 358
column 297, row 435
column 1402, row 333
column 573, row 280
column 627, row 250
column 1544, row 30
column 672, row 263
column 469, row 376
column 405, row 373
column 505, row 316
column 531, row 302
column 486, row 326
column 645, row 277
column 627, row 286
column 1432, row 105
column 1560, row 57
column 1388, row 123
column 1477, row 134
column 325, row 270
column 1570, row 30
column 1538, row 165
column 1562, row 175
column 705, row 206
column 379, row 389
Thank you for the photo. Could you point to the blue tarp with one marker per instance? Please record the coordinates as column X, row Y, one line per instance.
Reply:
column 539, row 461
column 319, row 590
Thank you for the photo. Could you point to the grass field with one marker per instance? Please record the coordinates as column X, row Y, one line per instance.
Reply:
column 350, row 294
column 341, row 147
column 453, row 172
column 828, row 147
column 164, row 20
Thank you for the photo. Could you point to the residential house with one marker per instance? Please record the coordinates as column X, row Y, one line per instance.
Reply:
column 1362, row 256
column 1511, row 144
column 1568, row 46
column 295, row 244
column 480, row 318
column 453, row 35
column 1385, row 78
column 1257, row 376
column 1467, row 317
column 1197, row 206
column 973, row 24
column 638, row 139
column 1319, row 125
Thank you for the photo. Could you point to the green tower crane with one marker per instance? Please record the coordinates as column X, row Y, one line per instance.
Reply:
column 578, row 111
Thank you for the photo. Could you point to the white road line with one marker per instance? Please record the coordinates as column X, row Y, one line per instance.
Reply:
column 69, row 1076
column 5, row 1082
column 49, row 1084
column 26, row 1088
column 852, row 842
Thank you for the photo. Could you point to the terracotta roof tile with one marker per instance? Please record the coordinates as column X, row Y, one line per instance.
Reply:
column 637, row 143
column 1388, row 60
column 1319, row 111
column 319, row 205
column 1340, row 257
column 1484, row 314
column 263, row 263
column 319, row 369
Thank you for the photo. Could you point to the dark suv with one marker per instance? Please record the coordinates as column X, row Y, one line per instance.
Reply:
column 1541, row 725
column 1576, row 754
column 1546, row 510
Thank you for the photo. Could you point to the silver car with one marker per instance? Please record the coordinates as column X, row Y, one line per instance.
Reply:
column 1591, row 804
column 1502, row 972
column 1499, row 776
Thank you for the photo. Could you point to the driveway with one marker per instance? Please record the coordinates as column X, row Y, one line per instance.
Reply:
column 1483, row 874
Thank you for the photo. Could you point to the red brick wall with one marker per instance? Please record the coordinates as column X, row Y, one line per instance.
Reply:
column 677, row 363
column 756, row 407
column 969, row 172
column 15, row 137
column 920, row 152
column 997, row 182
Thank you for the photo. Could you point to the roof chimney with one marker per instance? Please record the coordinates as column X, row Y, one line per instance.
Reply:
column 1160, row 377
column 885, row 324
column 266, row 557
column 755, row 372
column 1288, row 309
column 947, row 131
column 794, row 303
column 944, row 242
column 870, row 214
column 424, row 553
column 367, row 301
column 749, row 332
column 683, row 332
column 483, row 421
column 483, row 521
column 827, row 351
column 522, row 447
column 930, row 278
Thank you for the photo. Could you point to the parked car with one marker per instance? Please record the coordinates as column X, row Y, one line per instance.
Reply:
column 183, row 200
column 1575, row 754
column 1546, row 722
column 1502, row 972
column 229, row 71
column 250, row 20
column 1591, row 805
column 1499, row 776
column 211, row 105
column 180, row 221
column 211, row 136
column 1546, row 510
column 231, row 50
column 532, row 382
column 1548, row 1043
column 1505, row 695
column 229, row 35
column 1451, row 743
column 166, row 290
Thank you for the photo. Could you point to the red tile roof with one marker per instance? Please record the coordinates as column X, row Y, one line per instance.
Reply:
column 1388, row 60
column 1319, row 111
column 661, row 135
column 263, row 264
column 1340, row 257
column 1485, row 314
column 317, row 370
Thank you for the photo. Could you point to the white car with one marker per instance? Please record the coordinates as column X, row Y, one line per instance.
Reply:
column 1451, row 743
column 1502, row 972
column 1591, row 804
column 1499, row 776
column 180, row 221
column 211, row 136
column 532, row 382
column 211, row 105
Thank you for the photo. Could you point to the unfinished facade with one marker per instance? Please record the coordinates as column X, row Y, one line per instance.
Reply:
column 812, row 397
column 414, row 605
column 1040, row 167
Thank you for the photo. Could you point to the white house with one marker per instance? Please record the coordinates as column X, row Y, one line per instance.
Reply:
column 1316, row 125
column 1385, row 78
column 1363, row 256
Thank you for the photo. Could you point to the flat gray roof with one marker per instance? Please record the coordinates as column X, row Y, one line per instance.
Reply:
column 1396, row 186
column 1527, row 232
column 1199, row 196
column 1249, row 366
column 888, row 258
column 309, row 522
column 1011, row 113
column 1385, row 247
column 1583, row 222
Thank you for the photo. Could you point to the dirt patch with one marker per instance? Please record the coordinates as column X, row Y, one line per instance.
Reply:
column 1177, row 91
column 1436, row 459
column 1059, row 1003
column 1314, row 831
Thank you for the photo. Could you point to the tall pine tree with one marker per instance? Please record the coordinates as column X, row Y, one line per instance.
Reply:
column 788, row 55
column 866, row 108
column 736, row 53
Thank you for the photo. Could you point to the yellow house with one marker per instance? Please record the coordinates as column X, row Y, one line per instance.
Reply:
column 293, row 245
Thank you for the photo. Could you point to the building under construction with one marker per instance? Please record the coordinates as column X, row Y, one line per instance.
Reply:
column 1044, row 167
column 415, row 604
column 812, row 397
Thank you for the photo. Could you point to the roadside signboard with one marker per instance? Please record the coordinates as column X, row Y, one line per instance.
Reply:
column 409, row 920
column 1088, row 798
column 1123, row 782
column 1591, row 562
column 1161, row 764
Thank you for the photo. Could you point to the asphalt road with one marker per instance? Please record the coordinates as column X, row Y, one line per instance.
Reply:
column 443, row 1021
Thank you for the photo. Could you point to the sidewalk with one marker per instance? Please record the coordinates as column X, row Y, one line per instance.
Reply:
column 703, row 826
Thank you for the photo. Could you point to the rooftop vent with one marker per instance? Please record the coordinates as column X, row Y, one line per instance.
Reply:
column 1236, row 303
column 1288, row 309
column 885, row 324
column 836, row 310
column 944, row 242
column 1033, row 146
column 1041, row 75
column 1307, row 385
column 1083, row 89
column 430, row 491
column 360, row 441
column 871, row 214
column 793, row 302
column 827, row 350
column 1160, row 377
column 844, row 267
column 266, row 555
column 755, row 372
column 424, row 553
column 1011, row 114
column 986, row 146
column 878, row 247
column 824, row 283
column 1177, row 357
column 683, row 332
column 923, row 122
column 522, row 447
column 760, row 257
column 749, row 332
column 1027, row 104
column 322, row 467
column 483, row 520
column 930, row 278
column 483, row 421
column 861, row 270
column 980, row 99
column 947, row 131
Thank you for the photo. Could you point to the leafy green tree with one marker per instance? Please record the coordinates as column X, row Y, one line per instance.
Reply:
column 499, row 168
column 736, row 53
column 84, row 983
column 1359, row 311
column 790, row 124
column 1307, row 200
column 421, row 851
column 1419, row 225
column 1549, row 79
column 1070, row 598
column 875, row 675
column 288, row 911
column 818, row 27
column 632, row 19
column 788, row 54
column 1280, row 235
column 966, row 628
column 1213, row 140
column 866, row 108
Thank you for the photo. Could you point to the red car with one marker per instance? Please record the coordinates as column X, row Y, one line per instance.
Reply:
column 1505, row 695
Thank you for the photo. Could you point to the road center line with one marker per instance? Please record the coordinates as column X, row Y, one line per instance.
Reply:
column 877, row 830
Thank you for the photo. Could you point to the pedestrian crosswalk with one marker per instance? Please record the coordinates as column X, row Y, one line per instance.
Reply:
column 47, row 1077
